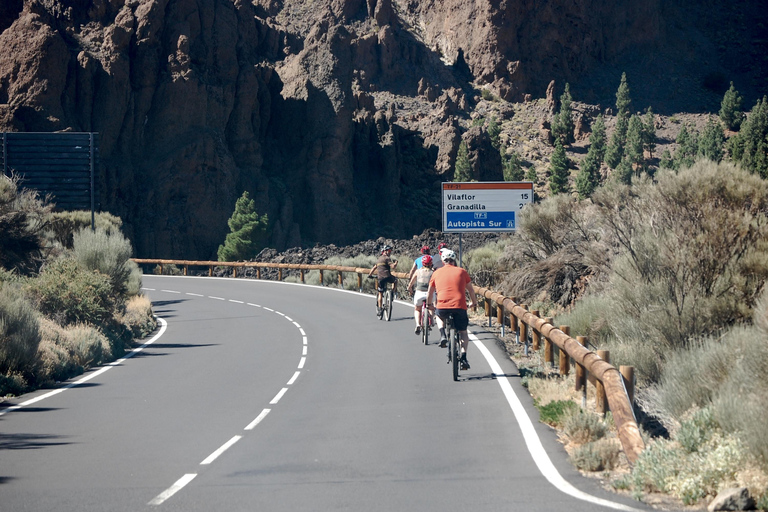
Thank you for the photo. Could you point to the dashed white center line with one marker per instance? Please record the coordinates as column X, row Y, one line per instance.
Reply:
column 293, row 379
column 169, row 291
column 195, row 294
column 180, row 483
column 258, row 419
column 216, row 298
column 236, row 301
column 212, row 457
column 301, row 362
column 278, row 396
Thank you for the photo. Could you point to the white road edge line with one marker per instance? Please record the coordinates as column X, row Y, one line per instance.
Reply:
column 532, row 441
column 258, row 419
column 163, row 327
column 180, row 483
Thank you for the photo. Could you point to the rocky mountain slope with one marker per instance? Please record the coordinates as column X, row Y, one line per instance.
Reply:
column 340, row 117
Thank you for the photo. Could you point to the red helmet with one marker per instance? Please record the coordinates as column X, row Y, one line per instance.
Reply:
column 425, row 249
column 441, row 245
column 426, row 260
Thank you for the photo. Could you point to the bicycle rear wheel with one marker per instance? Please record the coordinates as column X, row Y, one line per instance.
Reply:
column 455, row 355
column 388, row 305
column 425, row 325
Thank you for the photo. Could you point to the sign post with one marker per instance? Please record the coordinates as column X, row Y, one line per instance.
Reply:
column 488, row 206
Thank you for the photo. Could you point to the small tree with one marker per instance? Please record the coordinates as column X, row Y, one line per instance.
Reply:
column 494, row 132
column 688, row 147
column 649, row 132
column 463, row 169
column 730, row 109
column 712, row 141
column 666, row 162
column 598, row 139
column 623, row 100
column 558, row 167
column 248, row 232
column 562, row 124
column 623, row 172
column 588, row 178
column 750, row 146
column 634, row 149
column 530, row 174
column 513, row 168
column 615, row 151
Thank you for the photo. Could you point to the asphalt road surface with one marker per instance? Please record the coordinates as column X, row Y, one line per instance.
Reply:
column 258, row 395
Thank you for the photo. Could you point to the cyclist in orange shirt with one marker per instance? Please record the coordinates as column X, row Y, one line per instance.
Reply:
column 452, row 283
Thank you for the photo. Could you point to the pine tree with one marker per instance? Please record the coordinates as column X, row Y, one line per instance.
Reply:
column 712, row 141
column 633, row 151
column 730, row 109
column 688, row 147
column 494, row 132
column 463, row 170
column 513, row 168
column 247, row 232
column 750, row 146
column 562, row 124
column 598, row 139
column 531, row 175
column 623, row 172
column 588, row 178
column 558, row 168
column 666, row 162
column 649, row 132
column 623, row 100
column 615, row 151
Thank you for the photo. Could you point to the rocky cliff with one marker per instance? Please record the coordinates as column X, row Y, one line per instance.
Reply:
column 340, row 117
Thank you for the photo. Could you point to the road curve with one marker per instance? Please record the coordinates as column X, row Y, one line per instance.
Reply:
column 260, row 395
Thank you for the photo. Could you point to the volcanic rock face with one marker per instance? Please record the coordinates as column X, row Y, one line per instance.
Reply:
column 340, row 117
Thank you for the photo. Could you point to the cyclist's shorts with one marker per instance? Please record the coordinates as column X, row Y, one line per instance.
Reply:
column 460, row 318
column 419, row 298
column 383, row 283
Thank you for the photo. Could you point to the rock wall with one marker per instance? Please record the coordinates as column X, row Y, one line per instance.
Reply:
column 340, row 117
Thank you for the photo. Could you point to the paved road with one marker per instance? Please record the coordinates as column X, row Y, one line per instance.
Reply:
column 269, row 396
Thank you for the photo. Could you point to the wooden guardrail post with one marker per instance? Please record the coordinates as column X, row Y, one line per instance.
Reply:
column 549, row 356
column 581, row 375
column 628, row 372
column 487, row 304
column 500, row 317
column 359, row 282
column 341, row 279
column 524, row 331
column 535, row 334
column 322, row 283
column 186, row 269
column 565, row 361
column 600, row 399
column 514, row 324
column 279, row 274
column 234, row 271
column 210, row 270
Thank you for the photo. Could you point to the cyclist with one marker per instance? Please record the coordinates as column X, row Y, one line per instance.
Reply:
column 420, row 279
column 383, row 268
column 437, row 262
column 452, row 283
column 418, row 262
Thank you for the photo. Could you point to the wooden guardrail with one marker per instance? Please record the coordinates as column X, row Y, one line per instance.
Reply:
column 589, row 364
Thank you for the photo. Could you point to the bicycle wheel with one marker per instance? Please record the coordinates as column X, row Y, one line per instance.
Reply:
column 388, row 305
column 455, row 355
column 425, row 325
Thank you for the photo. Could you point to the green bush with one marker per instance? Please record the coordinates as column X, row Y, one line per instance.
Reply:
column 556, row 412
column 19, row 331
column 696, row 430
column 109, row 254
column 70, row 294
column 88, row 346
column 484, row 264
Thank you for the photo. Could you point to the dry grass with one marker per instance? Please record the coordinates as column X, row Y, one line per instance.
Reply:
column 138, row 316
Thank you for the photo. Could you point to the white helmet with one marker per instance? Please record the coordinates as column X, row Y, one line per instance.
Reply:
column 447, row 254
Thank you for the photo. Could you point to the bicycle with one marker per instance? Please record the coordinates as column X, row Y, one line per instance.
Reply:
column 426, row 322
column 387, row 299
column 454, row 347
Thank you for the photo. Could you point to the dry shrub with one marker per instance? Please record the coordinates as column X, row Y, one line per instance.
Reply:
column 552, row 389
column 19, row 332
column 138, row 316
column 600, row 455
column 54, row 363
column 63, row 225
column 584, row 427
